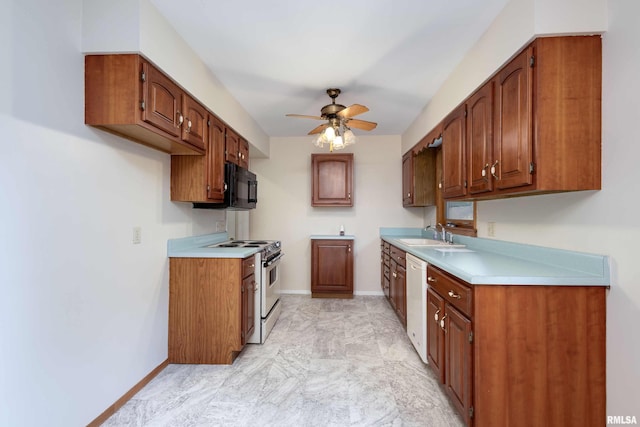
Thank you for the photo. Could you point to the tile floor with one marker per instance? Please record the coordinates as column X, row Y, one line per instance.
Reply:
column 327, row 362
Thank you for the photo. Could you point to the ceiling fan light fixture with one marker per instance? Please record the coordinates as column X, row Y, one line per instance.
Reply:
column 348, row 136
column 329, row 133
column 338, row 143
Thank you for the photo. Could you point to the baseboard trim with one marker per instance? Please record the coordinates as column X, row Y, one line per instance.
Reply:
column 128, row 395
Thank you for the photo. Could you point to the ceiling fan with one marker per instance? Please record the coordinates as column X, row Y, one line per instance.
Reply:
column 337, row 130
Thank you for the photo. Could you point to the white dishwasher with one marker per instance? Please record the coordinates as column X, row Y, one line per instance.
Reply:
column 417, row 304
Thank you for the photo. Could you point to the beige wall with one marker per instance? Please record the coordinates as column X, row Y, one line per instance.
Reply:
column 284, row 209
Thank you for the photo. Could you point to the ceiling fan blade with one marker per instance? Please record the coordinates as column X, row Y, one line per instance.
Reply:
column 319, row 129
column 352, row 110
column 302, row 116
column 361, row 124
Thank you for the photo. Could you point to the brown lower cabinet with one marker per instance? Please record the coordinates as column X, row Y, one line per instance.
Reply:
column 211, row 308
column 514, row 355
column 393, row 279
column 332, row 268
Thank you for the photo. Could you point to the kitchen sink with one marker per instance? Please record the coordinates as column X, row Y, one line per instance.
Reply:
column 429, row 242
column 453, row 249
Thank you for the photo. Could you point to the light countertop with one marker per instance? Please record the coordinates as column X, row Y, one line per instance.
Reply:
column 332, row 237
column 494, row 262
column 196, row 247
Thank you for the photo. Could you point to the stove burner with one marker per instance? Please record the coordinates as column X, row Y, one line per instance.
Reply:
column 228, row 245
column 250, row 246
column 258, row 242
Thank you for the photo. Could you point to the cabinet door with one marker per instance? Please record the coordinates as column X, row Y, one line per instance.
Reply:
column 332, row 179
column 480, row 139
column 243, row 153
column 513, row 148
column 248, row 307
column 332, row 266
column 407, row 179
column 162, row 101
column 194, row 128
column 401, row 300
column 393, row 285
column 458, row 352
column 231, row 146
column 435, row 334
column 215, row 161
column 453, row 154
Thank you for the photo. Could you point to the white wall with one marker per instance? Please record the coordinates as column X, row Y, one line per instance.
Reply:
column 603, row 222
column 83, row 313
column 284, row 209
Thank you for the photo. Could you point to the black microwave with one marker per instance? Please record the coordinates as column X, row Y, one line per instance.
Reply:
column 241, row 190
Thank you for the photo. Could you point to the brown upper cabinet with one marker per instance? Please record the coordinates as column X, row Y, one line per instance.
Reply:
column 332, row 179
column 454, row 181
column 419, row 174
column 201, row 178
column 126, row 95
column 534, row 127
column 479, row 140
column 231, row 146
column 243, row 153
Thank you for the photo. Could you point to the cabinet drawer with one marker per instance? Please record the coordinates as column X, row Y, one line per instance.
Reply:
column 454, row 291
column 398, row 256
column 248, row 266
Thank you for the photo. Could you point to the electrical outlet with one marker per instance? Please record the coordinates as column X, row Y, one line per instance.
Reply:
column 491, row 229
column 137, row 235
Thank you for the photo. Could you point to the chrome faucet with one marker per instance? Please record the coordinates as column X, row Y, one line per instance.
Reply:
column 444, row 232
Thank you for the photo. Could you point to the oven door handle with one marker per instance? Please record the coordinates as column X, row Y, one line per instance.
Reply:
column 268, row 263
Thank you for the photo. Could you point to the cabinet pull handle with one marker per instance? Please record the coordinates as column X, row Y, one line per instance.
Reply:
column 188, row 125
column 408, row 194
column 454, row 295
column 394, row 274
column 180, row 118
column 431, row 280
column 435, row 316
column 484, row 172
column 493, row 169
column 348, row 248
column 442, row 323
column 349, row 196
column 255, row 286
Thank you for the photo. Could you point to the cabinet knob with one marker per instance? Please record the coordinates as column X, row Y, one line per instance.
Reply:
column 431, row 280
column 442, row 323
column 493, row 169
column 408, row 194
column 454, row 295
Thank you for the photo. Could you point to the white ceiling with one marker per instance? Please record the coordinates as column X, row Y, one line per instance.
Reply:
column 279, row 56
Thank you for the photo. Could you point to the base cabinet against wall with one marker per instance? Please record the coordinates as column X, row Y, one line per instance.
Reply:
column 332, row 268
column 393, row 279
column 210, row 308
column 518, row 355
